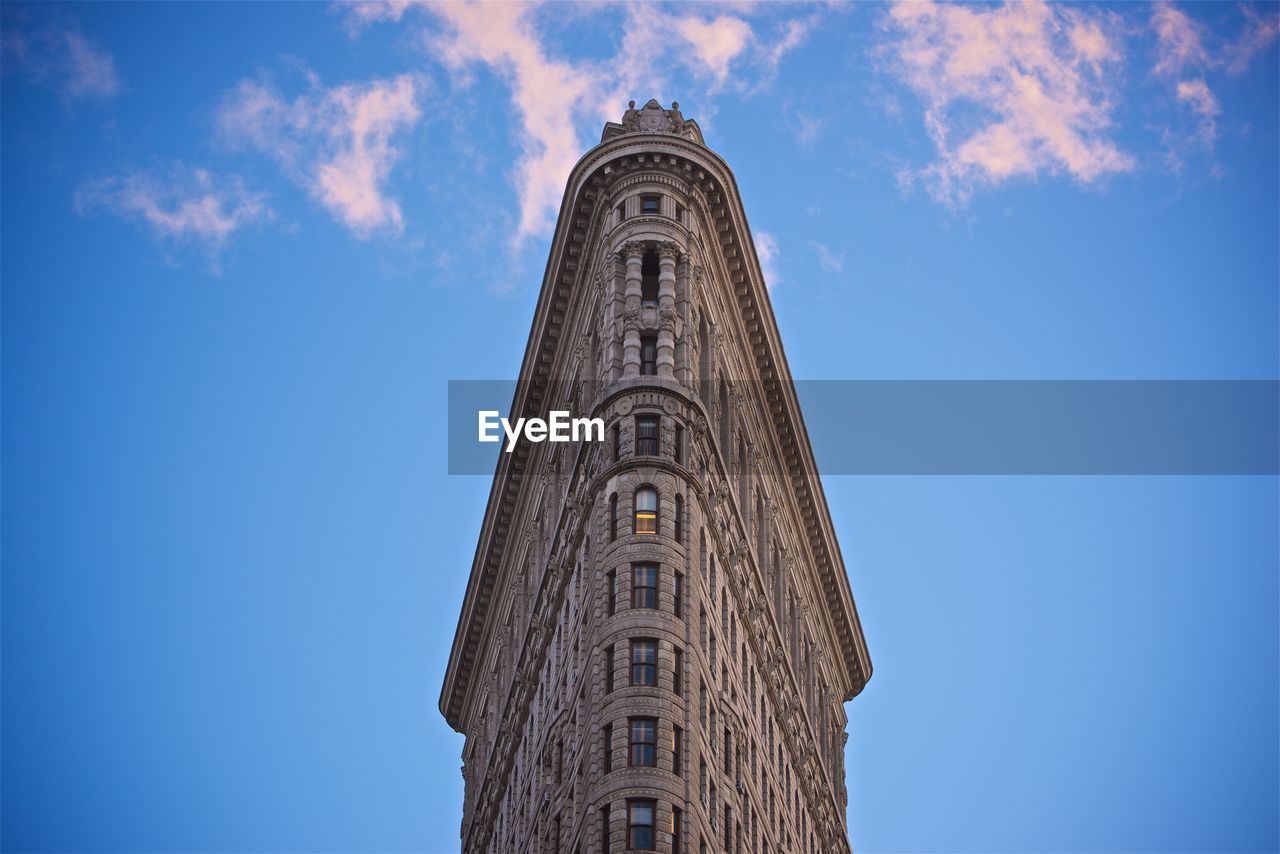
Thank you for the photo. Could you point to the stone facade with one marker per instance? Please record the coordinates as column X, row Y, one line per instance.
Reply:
column 658, row 635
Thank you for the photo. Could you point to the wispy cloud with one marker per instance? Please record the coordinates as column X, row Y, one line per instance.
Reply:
column 336, row 142
column 1179, row 40
column 807, row 128
column 767, row 252
column 1260, row 31
column 717, row 42
column 182, row 205
column 794, row 33
column 1187, row 53
column 359, row 14
column 1017, row 90
column 829, row 261
column 560, row 102
column 1196, row 94
column 502, row 36
column 63, row 59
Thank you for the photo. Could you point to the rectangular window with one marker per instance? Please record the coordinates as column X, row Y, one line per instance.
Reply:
column 612, row 592
column 644, row 662
column 677, row 673
column 677, row 596
column 613, row 517
column 646, row 511
column 676, row 750
column 617, row 442
column 679, row 520
column 621, row 211
column 648, row 355
column 644, row 585
column 679, row 444
column 608, row 669
column 680, row 214
column 677, row 820
column 640, row 824
column 608, row 747
column 647, row 435
column 644, row 737
column 604, row 829
column 649, row 204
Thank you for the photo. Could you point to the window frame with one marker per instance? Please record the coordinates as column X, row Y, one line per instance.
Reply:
column 650, row 591
column 644, row 519
column 642, row 742
column 648, row 670
column 649, row 347
column 643, row 446
column 642, row 843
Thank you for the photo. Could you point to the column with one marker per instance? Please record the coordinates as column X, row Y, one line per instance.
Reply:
column 667, row 309
column 632, row 253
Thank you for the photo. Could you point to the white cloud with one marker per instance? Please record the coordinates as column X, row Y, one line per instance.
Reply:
column 63, row 59
column 1179, row 40
column 807, row 129
column 767, row 252
column 1259, row 32
column 362, row 13
column 829, row 261
column 716, row 42
column 794, row 34
column 544, row 91
column 336, row 142
column 1017, row 90
column 1196, row 95
column 184, row 205
column 561, row 103
column 1186, row 52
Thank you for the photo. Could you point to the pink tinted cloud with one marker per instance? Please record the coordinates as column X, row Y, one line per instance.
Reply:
column 336, row 142
column 1201, row 100
column 1260, row 33
column 1011, row 91
column 183, row 205
column 63, row 59
column 559, row 103
column 716, row 42
column 544, row 90
column 1180, row 40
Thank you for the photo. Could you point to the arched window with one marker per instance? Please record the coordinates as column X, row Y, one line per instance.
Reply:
column 613, row 516
column 646, row 513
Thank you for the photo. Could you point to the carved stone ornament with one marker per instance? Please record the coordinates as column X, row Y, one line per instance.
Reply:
column 631, row 317
column 631, row 249
column 654, row 119
column 667, row 319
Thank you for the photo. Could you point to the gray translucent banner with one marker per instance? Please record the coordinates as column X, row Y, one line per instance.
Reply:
column 994, row 427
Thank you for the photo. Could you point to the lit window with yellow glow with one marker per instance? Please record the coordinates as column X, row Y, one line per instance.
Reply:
column 646, row 511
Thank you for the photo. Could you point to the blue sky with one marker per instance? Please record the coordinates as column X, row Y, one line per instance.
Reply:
column 245, row 247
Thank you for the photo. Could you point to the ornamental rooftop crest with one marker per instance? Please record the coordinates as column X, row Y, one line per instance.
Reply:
column 653, row 118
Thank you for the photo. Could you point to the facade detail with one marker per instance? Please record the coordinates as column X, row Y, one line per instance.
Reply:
column 658, row 635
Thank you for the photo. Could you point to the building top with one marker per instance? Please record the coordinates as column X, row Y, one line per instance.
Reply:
column 653, row 118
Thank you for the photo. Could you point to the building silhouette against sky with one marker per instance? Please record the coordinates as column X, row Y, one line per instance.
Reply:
column 658, row 634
